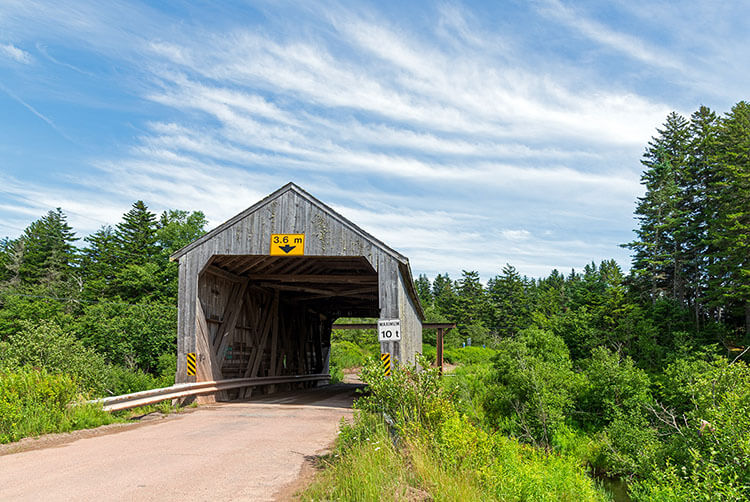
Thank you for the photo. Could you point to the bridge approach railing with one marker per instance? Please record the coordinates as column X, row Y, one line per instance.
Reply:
column 179, row 391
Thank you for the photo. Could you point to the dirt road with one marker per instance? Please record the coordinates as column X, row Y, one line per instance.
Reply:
column 233, row 451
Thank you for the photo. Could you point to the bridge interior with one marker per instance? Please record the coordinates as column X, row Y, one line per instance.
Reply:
column 264, row 315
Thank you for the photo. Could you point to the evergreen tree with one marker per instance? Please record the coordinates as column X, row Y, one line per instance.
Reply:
column 99, row 263
column 661, row 212
column 470, row 307
column 424, row 290
column 443, row 293
column 730, row 231
column 49, row 255
column 700, row 204
column 511, row 306
column 136, row 235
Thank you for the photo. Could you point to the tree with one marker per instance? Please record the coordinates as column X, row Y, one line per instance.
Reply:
column 658, row 258
column 511, row 306
column 49, row 255
column 443, row 294
column 424, row 290
column 470, row 307
column 99, row 263
column 135, row 235
column 177, row 229
column 700, row 203
column 730, row 232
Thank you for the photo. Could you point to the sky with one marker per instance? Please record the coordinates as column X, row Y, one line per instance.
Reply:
column 464, row 135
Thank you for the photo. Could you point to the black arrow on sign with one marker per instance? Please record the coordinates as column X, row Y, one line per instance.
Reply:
column 286, row 248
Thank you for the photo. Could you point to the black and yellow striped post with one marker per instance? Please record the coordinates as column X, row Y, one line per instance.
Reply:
column 385, row 360
column 191, row 363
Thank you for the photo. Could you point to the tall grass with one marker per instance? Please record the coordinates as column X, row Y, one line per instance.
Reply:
column 440, row 454
column 34, row 402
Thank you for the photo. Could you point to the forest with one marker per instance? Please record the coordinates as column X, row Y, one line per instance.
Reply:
column 560, row 382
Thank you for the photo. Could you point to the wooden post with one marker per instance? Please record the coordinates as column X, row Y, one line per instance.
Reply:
column 440, row 349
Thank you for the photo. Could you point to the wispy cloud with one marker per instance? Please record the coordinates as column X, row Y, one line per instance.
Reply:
column 441, row 136
column 624, row 43
column 33, row 110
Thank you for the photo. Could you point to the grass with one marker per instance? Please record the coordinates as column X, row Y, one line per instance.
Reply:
column 462, row 464
column 34, row 402
column 440, row 453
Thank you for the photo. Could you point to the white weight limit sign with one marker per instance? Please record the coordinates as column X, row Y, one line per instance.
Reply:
column 389, row 330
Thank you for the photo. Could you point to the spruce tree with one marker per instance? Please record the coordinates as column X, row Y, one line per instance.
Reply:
column 699, row 202
column 136, row 235
column 661, row 213
column 470, row 307
column 443, row 294
column 49, row 255
column 424, row 290
column 99, row 263
column 729, row 233
column 511, row 306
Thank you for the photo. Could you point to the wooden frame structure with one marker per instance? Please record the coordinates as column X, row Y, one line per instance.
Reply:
column 246, row 313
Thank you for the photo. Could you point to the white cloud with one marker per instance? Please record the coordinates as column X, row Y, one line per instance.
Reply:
column 16, row 54
column 516, row 235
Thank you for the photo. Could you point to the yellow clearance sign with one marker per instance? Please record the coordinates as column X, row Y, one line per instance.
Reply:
column 287, row 244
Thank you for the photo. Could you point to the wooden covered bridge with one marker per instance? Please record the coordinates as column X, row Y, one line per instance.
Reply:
column 259, row 294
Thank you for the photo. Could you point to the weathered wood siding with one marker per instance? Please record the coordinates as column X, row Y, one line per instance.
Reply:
column 249, row 233
column 411, row 324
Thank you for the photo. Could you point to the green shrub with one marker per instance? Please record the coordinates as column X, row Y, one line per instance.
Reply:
column 166, row 367
column 118, row 380
column 134, row 336
column 613, row 387
column 429, row 352
column 412, row 399
column 469, row 387
column 629, row 446
column 440, row 454
column 45, row 345
column 533, row 386
column 469, row 355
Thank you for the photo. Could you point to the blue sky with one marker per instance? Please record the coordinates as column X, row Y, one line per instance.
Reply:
column 465, row 135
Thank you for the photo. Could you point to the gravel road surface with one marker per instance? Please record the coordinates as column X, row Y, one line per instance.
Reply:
column 250, row 450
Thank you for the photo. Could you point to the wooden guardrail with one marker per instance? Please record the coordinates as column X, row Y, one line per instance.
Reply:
column 179, row 391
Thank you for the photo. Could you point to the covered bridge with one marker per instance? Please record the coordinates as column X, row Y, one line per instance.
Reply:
column 258, row 294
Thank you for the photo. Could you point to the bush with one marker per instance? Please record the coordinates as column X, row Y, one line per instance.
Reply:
column 533, row 386
column 411, row 398
column 440, row 454
column 47, row 346
column 469, row 386
column 118, row 380
column 613, row 387
column 134, row 336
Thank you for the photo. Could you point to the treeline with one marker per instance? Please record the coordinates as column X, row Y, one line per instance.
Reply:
column 690, row 275
column 115, row 296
